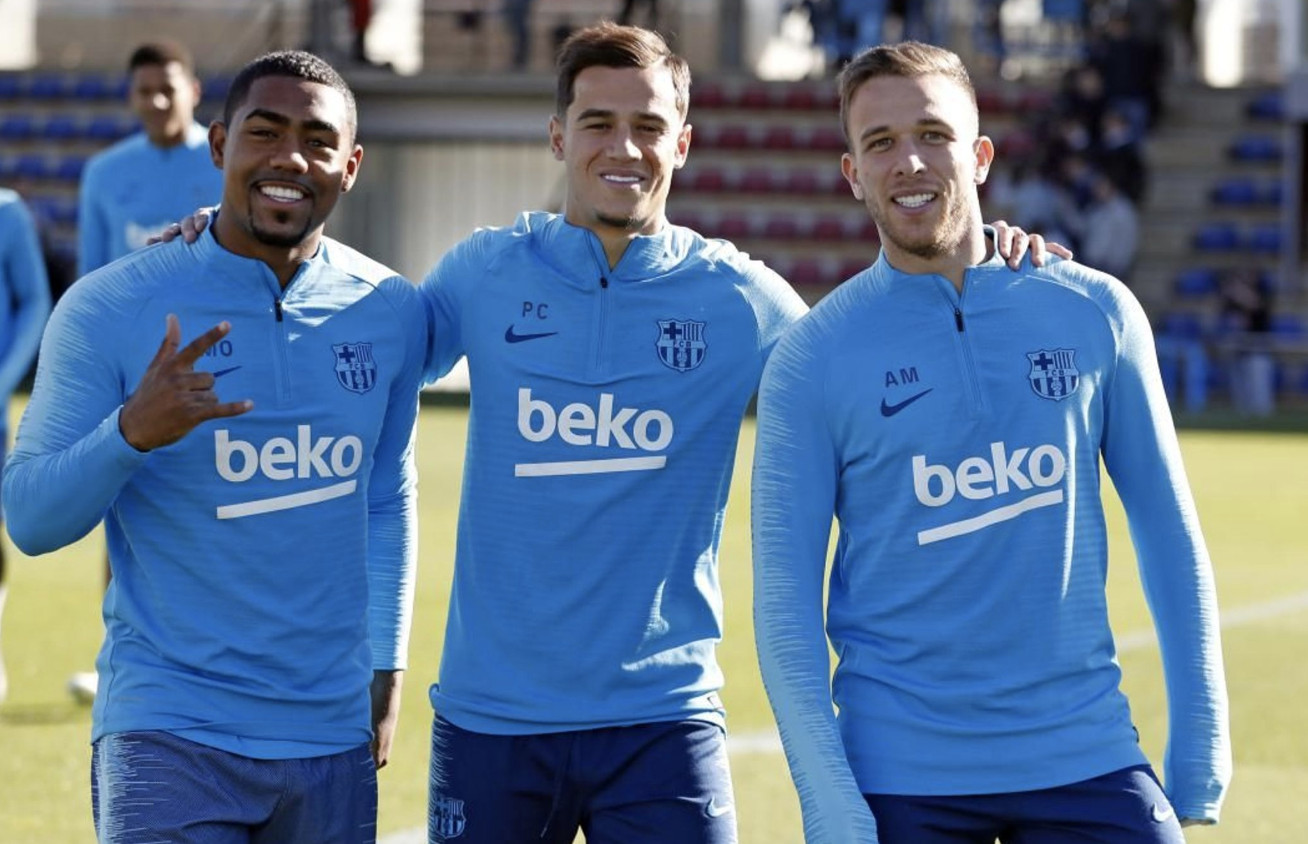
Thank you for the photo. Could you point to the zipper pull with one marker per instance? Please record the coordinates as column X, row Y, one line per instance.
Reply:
column 958, row 319
column 277, row 309
column 604, row 283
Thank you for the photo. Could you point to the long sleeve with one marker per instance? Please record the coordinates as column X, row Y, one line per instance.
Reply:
column 794, row 494
column 440, row 300
column 22, row 271
column 70, row 460
column 392, row 509
column 1144, row 459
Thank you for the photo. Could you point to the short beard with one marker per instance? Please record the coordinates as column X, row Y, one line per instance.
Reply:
column 947, row 237
column 279, row 240
column 627, row 223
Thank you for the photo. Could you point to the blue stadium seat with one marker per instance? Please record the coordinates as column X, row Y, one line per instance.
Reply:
column 30, row 166
column 1267, row 106
column 107, row 127
column 1255, row 148
column 64, row 210
column 48, row 86
column 17, row 126
column 69, row 168
column 1274, row 193
column 11, row 86
column 93, row 87
column 61, row 127
column 1181, row 325
column 1265, row 238
column 1217, row 237
column 1195, row 283
column 212, row 89
column 1237, row 190
column 1289, row 326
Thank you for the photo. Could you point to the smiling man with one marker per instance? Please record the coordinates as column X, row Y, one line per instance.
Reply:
column 952, row 415
column 257, row 487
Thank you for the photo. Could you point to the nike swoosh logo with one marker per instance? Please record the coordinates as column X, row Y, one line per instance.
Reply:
column 713, row 810
column 892, row 409
column 1161, row 814
column 221, row 372
column 511, row 337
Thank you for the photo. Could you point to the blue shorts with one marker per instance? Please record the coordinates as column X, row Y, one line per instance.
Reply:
column 1122, row 807
column 155, row 786
column 644, row 784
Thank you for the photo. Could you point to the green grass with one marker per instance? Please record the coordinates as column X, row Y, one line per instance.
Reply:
column 1252, row 490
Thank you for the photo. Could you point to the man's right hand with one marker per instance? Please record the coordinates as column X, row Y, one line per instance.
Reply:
column 172, row 397
column 189, row 228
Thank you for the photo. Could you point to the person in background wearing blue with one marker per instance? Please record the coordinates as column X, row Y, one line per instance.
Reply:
column 952, row 416
column 24, row 307
column 133, row 189
column 257, row 486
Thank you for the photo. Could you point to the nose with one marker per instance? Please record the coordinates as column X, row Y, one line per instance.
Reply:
column 159, row 102
column 623, row 146
column 289, row 156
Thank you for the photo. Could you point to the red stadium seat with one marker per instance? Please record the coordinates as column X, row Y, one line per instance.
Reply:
column 780, row 136
column 781, row 227
column 757, row 180
column 801, row 181
column 828, row 228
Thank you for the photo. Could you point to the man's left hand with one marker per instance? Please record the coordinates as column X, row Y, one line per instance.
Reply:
column 1012, row 243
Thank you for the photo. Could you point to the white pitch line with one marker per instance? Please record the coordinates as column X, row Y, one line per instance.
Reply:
column 759, row 742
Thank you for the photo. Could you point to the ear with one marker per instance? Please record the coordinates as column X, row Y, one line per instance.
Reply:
column 683, row 146
column 352, row 168
column 556, row 137
column 217, row 142
column 850, row 172
column 984, row 149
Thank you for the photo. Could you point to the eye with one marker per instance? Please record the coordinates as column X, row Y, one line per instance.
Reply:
column 878, row 145
column 934, row 136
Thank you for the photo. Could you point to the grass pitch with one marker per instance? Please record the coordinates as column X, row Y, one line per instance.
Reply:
column 1252, row 491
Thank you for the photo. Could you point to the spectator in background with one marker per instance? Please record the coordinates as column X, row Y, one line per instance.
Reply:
column 1109, row 234
column 1131, row 71
column 1245, row 314
column 24, row 306
column 137, row 187
column 1081, row 98
column 627, row 14
column 517, row 14
column 1118, row 156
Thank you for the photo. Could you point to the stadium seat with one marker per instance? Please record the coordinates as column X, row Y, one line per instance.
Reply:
column 11, row 87
column 707, row 95
column 1255, row 148
column 806, row 272
column 733, row 226
column 1195, row 283
column 1267, row 106
column 780, row 136
column 30, row 166
column 801, row 181
column 69, row 168
column 1181, row 325
column 214, row 88
column 757, row 180
column 852, row 267
column 1217, row 237
column 60, row 127
column 708, row 180
column 827, row 138
column 1274, row 194
column 106, row 127
column 781, row 226
column 756, row 95
column 1237, row 190
column 800, row 97
column 829, row 228
column 17, row 127
column 733, row 136
column 93, row 87
column 47, row 86
column 1265, row 238
column 1289, row 326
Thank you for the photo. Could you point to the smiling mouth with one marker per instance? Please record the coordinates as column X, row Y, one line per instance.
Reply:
column 282, row 193
column 914, row 200
column 621, row 181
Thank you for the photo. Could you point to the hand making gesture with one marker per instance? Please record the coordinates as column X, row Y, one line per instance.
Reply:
column 172, row 397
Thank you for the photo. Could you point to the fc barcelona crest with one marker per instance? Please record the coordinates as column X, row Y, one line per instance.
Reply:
column 446, row 816
column 681, row 344
column 1054, row 375
column 355, row 369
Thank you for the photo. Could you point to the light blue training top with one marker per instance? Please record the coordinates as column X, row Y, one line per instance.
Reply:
column 606, row 406
column 25, row 289
column 254, row 559
column 133, row 190
column 957, row 441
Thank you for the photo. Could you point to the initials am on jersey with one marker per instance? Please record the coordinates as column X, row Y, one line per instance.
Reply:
column 647, row 432
column 1018, row 480
column 330, row 461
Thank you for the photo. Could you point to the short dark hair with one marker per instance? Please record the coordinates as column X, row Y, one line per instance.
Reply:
column 295, row 64
column 161, row 53
column 607, row 44
column 910, row 59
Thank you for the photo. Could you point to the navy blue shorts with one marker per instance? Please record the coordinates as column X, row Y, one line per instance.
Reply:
column 1122, row 807
column 155, row 786
column 644, row 784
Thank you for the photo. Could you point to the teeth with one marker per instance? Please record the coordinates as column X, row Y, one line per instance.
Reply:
column 281, row 193
column 917, row 200
column 625, row 180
